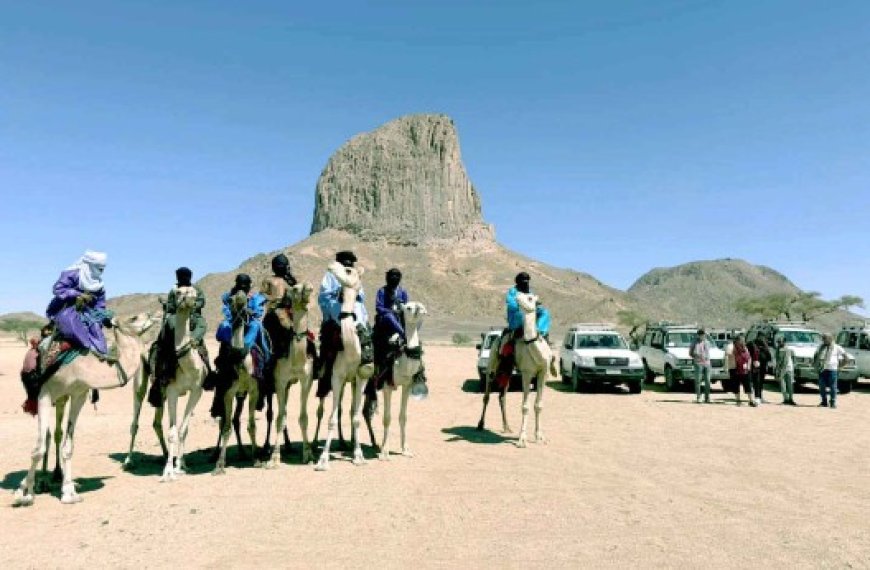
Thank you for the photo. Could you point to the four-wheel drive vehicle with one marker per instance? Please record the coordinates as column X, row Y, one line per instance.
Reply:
column 594, row 353
column 665, row 351
column 855, row 338
column 804, row 341
column 488, row 343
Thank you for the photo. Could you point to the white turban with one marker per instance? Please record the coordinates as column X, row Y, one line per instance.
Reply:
column 90, row 267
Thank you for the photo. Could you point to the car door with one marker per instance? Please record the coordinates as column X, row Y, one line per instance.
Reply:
column 656, row 356
column 862, row 354
column 565, row 358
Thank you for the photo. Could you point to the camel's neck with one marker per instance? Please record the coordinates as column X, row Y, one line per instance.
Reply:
column 129, row 350
column 348, row 299
column 182, row 328
column 530, row 325
column 348, row 325
column 300, row 320
column 238, row 335
column 412, row 334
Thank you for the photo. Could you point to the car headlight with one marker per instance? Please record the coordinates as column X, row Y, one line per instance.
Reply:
column 684, row 362
column 635, row 361
column 850, row 362
column 586, row 361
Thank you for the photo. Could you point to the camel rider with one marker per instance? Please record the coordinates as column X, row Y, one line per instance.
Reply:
column 330, row 330
column 78, row 309
column 515, row 326
column 255, row 338
column 279, row 316
column 162, row 353
column 389, row 332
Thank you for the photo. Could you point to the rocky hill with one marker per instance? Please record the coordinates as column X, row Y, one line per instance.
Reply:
column 705, row 292
column 404, row 182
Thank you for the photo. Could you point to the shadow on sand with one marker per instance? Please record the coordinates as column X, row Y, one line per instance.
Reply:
column 473, row 435
column 12, row 480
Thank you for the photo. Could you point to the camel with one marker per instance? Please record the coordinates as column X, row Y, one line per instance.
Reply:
column 534, row 360
column 190, row 372
column 74, row 382
column 140, row 390
column 297, row 366
column 347, row 368
column 245, row 382
column 406, row 366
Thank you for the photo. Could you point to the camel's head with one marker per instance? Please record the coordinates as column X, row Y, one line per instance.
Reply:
column 348, row 276
column 238, row 304
column 135, row 325
column 527, row 302
column 300, row 296
column 185, row 298
column 413, row 312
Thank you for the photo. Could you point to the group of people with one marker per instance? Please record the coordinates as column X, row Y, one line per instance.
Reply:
column 747, row 365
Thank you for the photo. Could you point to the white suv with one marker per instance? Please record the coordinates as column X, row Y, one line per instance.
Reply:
column 855, row 337
column 665, row 352
column 595, row 353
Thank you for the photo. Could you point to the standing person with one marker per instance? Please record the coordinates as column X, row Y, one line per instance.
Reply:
column 760, row 362
column 700, row 354
column 78, row 308
column 829, row 357
column 742, row 368
column 785, row 371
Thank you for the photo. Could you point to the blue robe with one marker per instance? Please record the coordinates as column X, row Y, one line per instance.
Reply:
column 515, row 314
column 254, row 332
column 386, row 319
column 83, row 328
column 330, row 307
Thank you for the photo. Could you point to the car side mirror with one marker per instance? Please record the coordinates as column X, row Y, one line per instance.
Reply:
column 477, row 346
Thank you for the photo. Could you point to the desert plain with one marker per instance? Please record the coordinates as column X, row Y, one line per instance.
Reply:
column 651, row 480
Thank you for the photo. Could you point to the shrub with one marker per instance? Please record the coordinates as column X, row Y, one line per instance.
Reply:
column 461, row 338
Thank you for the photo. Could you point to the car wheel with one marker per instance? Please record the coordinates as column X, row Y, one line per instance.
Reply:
column 670, row 383
column 844, row 386
column 481, row 387
column 565, row 378
column 649, row 375
column 635, row 387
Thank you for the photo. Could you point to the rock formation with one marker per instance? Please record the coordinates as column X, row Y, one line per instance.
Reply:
column 404, row 181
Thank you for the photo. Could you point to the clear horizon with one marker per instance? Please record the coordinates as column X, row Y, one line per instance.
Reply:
column 653, row 134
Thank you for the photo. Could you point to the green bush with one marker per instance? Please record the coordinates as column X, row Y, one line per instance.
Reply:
column 460, row 339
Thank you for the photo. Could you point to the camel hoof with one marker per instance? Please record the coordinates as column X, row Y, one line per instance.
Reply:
column 321, row 466
column 22, row 499
column 359, row 461
column 384, row 456
column 521, row 443
column 408, row 453
column 507, row 430
column 480, row 426
column 71, row 499
column 219, row 471
column 539, row 438
column 129, row 463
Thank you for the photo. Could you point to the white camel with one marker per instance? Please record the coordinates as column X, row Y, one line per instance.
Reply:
column 347, row 367
column 245, row 382
column 190, row 373
column 406, row 366
column 140, row 390
column 74, row 382
column 297, row 366
column 535, row 361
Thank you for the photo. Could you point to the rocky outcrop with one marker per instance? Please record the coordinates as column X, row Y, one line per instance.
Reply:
column 404, row 182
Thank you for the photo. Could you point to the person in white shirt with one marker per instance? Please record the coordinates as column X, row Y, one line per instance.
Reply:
column 785, row 371
column 829, row 357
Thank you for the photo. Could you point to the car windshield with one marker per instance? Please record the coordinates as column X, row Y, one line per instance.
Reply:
column 599, row 341
column 681, row 338
column 801, row 337
column 488, row 340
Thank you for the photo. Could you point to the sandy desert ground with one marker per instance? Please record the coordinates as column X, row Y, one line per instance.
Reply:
column 625, row 481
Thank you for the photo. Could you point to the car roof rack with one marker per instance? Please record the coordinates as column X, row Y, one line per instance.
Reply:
column 856, row 324
column 784, row 322
column 592, row 327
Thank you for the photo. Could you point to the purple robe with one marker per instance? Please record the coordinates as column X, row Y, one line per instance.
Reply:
column 75, row 326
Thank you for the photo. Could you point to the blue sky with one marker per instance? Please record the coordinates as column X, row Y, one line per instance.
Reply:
column 640, row 134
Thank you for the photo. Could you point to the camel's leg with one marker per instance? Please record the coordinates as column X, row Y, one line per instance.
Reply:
column 323, row 462
column 157, row 424
column 281, row 392
column 139, row 390
column 482, row 423
column 171, row 400
column 539, row 406
column 192, row 400
column 220, row 465
column 252, row 422
column 304, row 390
column 270, row 415
column 502, row 402
column 41, row 482
column 319, row 419
column 388, row 418
column 59, row 408
column 237, row 426
column 355, row 417
column 24, row 493
column 367, row 416
column 403, row 420
column 340, row 433
column 527, row 382
column 68, row 489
